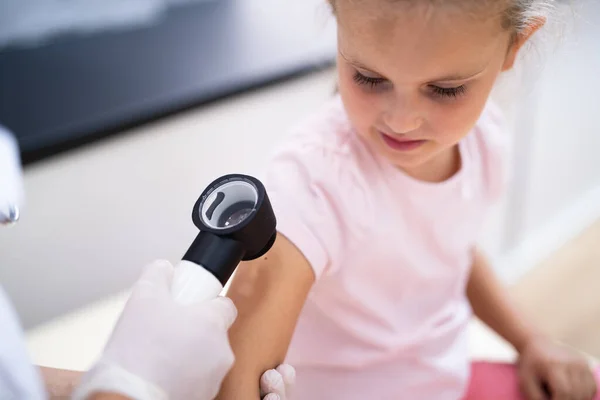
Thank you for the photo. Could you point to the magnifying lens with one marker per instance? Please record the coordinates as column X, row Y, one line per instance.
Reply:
column 236, row 224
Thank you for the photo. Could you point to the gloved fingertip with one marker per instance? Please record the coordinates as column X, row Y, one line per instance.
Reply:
column 288, row 373
column 272, row 382
column 272, row 396
column 158, row 268
column 165, row 264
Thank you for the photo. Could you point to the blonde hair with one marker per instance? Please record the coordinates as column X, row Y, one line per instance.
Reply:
column 520, row 13
column 517, row 15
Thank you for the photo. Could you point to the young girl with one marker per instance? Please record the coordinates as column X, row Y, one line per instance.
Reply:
column 380, row 200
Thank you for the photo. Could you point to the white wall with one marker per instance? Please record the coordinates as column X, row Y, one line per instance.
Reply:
column 556, row 190
column 565, row 163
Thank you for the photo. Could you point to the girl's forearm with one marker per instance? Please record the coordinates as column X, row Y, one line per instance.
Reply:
column 492, row 305
column 108, row 396
column 60, row 383
column 270, row 293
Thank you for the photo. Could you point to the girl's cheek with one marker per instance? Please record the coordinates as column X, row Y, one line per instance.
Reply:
column 361, row 104
column 363, row 98
column 360, row 98
column 455, row 120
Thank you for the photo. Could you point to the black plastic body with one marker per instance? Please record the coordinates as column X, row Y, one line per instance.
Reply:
column 256, row 232
column 220, row 250
column 218, row 255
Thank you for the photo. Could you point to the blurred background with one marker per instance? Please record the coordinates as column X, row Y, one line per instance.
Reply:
column 124, row 111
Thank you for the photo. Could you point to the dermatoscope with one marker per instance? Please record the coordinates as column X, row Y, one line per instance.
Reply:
column 236, row 224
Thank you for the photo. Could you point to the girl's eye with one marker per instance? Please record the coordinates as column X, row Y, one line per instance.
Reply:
column 366, row 80
column 451, row 93
column 445, row 93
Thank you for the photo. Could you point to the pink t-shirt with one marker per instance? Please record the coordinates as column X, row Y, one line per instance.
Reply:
column 387, row 316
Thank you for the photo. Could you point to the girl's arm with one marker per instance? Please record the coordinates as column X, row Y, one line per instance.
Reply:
column 491, row 304
column 545, row 368
column 60, row 383
column 269, row 294
column 108, row 396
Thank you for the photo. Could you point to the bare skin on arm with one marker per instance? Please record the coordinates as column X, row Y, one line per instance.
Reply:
column 108, row 396
column 269, row 294
column 492, row 304
column 60, row 383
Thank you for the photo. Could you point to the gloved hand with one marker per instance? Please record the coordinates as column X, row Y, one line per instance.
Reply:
column 163, row 350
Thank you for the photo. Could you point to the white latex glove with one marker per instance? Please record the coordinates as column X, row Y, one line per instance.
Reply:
column 161, row 349
column 277, row 384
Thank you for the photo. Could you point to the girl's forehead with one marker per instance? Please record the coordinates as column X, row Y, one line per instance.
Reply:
column 425, row 38
column 386, row 17
column 475, row 8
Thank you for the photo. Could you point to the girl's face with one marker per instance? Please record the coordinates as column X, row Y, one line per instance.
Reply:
column 415, row 78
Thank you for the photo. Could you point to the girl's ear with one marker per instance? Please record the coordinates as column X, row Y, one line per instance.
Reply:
column 520, row 39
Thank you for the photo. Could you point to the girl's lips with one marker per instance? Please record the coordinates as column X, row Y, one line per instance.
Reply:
column 402, row 145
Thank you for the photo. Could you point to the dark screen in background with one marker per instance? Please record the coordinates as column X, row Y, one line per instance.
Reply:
column 77, row 88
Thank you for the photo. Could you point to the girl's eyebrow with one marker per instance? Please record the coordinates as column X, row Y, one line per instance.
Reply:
column 357, row 63
column 460, row 77
column 447, row 78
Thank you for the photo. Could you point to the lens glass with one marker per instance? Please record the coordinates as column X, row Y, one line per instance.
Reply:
column 237, row 218
column 235, row 214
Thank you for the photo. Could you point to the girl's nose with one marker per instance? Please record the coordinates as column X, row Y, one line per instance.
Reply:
column 403, row 116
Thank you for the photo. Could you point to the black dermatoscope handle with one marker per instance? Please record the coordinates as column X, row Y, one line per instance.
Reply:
column 236, row 223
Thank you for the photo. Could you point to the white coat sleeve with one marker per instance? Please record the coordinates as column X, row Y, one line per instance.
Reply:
column 19, row 379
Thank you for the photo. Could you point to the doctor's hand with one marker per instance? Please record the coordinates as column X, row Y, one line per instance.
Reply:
column 161, row 349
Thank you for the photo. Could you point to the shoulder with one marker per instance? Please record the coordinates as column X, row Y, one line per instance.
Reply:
column 327, row 131
column 311, row 181
column 322, row 147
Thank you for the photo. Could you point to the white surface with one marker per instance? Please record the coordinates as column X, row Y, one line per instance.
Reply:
column 563, row 162
column 75, row 340
column 555, row 232
column 555, row 190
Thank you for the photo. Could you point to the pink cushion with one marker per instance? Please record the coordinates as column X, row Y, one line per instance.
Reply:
column 491, row 381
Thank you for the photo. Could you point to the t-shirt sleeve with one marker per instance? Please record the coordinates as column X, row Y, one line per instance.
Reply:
column 496, row 142
column 298, row 185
